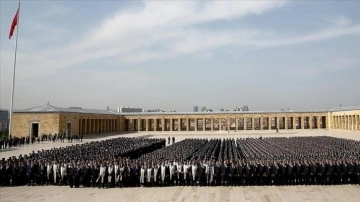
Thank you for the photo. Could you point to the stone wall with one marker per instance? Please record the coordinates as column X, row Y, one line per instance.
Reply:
column 21, row 125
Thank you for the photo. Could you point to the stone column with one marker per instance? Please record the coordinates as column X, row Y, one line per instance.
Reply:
column 195, row 124
column 303, row 122
column 212, row 123
column 286, row 123
column 228, row 123
column 179, row 124
column 269, row 122
column 147, row 124
column 163, row 124
column 171, row 124
column 204, row 124
column 236, row 123
column 346, row 122
column 294, row 122
column 278, row 123
column 138, row 124
column 261, row 123
column 80, row 127
column 155, row 124
column 245, row 123
column 86, row 130
column 252, row 120
column 310, row 122
column 187, row 124
column 318, row 122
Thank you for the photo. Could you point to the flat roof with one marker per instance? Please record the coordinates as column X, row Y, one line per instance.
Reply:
column 54, row 109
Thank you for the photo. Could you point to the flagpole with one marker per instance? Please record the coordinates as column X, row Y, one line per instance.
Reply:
column 13, row 78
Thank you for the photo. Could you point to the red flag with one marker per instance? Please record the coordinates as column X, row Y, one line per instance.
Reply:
column 14, row 23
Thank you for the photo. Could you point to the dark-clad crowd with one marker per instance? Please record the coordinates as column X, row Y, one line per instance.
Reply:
column 9, row 142
column 133, row 162
column 75, row 165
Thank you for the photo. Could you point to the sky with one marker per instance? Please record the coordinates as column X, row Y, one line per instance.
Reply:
column 173, row 55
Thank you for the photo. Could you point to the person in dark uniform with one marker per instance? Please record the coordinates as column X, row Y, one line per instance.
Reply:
column 290, row 178
column 349, row 172
column 252, row 174
column 281, row 178
column 313, row 173
column 329, row 169
column 42, row 180
column 266, row 174
column 337, row 173
column 239, row 174
column 217, row 174
column 223, row 173
column 29, row 173
column 71, row 174
column 246, row 174
column 273, row 173
column 232, row 174
column 320, row 172
column 357, row 172
column 304, row 173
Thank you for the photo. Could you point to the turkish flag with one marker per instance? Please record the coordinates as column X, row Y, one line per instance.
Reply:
column 14, row 23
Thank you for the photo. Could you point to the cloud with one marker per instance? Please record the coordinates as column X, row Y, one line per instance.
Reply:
column 339, row 21
column 342, row 63
column 157, row 30
column 129, row 36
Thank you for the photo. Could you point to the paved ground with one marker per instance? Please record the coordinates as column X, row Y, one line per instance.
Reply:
column 251, row 193
column 350, row 193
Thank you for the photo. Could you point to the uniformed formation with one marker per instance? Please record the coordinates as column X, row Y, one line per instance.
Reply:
column 132, row 162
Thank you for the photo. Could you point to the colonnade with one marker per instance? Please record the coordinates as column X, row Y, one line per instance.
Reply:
column 346, row 122
column 93, row 126
column 228, row 123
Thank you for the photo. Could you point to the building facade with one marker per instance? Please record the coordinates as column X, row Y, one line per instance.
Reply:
column 50, row 119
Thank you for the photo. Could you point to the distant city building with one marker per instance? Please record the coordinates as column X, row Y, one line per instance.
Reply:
column 196, row 109
column 4, row 120
column 245, row 108
column 222, row 110
column 129, row 109
column 203, row 109
column 240, row 109
column 154, row 110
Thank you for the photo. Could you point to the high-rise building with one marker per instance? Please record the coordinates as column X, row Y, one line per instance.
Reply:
column 203, row 109
column 245, row 108
column 129, row 109
column 196, row 109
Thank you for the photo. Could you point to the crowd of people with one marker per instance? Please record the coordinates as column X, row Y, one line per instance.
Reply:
column 132, row 162
column 9, row 142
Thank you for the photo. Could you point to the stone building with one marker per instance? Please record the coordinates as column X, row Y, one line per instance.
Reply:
column 50, row 119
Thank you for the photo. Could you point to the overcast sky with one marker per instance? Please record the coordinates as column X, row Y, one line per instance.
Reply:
column 178, row 54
